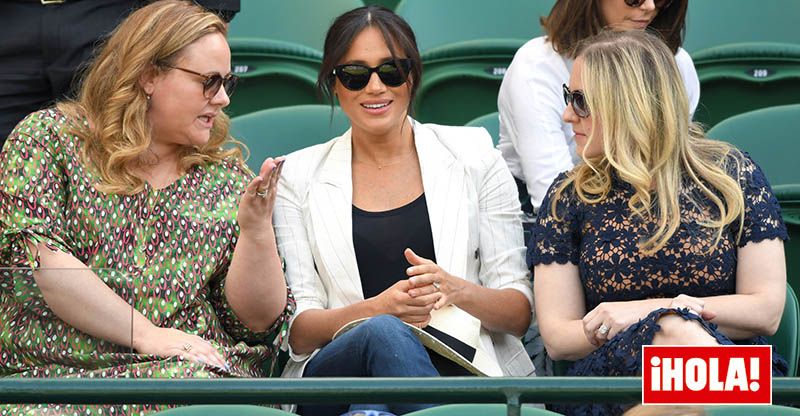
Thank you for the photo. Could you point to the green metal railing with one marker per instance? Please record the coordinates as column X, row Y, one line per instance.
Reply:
column 511, row 391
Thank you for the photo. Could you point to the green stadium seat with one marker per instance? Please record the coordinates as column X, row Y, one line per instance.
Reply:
column 478, row 410
column 741, row 77
column 767, row 135
column 444, row 22
column 223, row 410
column 303, row 22
column 276, row 49
column 389, row 4
column 745, row 410
column 491, row 122
column 712, row 23
column 787, row 340
column 464, row 60
column 272, row 74
column 280, row 131
column 789, row 198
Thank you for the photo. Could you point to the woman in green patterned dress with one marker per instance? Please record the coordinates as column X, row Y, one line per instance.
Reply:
column 152, row 245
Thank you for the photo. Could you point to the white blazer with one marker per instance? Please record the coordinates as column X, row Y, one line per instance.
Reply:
column 474, row 213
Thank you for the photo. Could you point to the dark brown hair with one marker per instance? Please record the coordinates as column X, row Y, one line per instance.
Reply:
column 571, row 21
column 396, row 32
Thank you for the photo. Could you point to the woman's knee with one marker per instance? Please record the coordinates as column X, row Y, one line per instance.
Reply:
column 385, row 329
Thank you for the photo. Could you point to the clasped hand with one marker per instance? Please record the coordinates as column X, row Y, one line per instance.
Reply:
column 428, row 287
column 608, row 319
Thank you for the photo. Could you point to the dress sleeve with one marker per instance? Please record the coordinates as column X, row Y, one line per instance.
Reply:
column 273, row 336
column 556, row 239
column 762, row 214
column 32, row 190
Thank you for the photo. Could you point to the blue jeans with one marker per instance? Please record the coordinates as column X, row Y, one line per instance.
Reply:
column 383, row 346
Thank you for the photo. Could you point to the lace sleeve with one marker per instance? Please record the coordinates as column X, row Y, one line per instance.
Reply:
column 762, row 215
column 556, row 238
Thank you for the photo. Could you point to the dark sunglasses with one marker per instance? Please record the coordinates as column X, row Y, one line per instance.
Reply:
column 212, row 82
column 355, row 77
column 578, row 101
column 660, row 4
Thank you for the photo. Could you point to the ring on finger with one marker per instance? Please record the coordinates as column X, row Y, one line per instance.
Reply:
column 436, row 285
column 603, row 330
column 187, row 347
column 262, row 194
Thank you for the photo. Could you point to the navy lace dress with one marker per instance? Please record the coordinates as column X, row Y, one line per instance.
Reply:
column 601, row 239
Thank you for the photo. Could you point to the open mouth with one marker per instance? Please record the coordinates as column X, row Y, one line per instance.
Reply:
column 376, row 106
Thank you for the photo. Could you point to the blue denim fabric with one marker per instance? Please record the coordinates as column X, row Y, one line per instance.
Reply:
column 383, row 346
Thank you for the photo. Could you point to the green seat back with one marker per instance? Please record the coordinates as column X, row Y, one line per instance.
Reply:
column 786, row 339
column 789, row 198
column 389, row 4
column 465, row 59
column 766, row 135
column 461, row 81
column 491, row 122
column 478, row 410
column 745, row 410
column 223, row 410
column 303, row 22
column 272, row 74
column 741, row 77
column 437, row 23
column 711, row 23
column 280, row 131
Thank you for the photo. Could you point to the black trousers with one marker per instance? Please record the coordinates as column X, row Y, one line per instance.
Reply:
column 44, row 47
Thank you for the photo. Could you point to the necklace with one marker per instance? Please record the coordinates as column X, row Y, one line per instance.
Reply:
column 381, row 166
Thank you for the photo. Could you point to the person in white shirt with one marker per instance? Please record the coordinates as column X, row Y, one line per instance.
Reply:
column 534, row 140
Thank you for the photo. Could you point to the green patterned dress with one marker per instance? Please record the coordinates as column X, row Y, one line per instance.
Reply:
column 165, row 251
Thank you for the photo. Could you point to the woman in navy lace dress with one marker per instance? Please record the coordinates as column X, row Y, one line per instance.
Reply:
column 660, row 236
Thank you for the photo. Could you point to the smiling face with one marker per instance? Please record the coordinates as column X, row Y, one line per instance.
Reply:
column 377, row 110
column 179, row 113
column 583, row 127
column 619, row 16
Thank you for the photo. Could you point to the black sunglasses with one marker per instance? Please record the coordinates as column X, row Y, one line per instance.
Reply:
column 660, row 4
column 212, row 82
column 355, row 77
column 578, row 101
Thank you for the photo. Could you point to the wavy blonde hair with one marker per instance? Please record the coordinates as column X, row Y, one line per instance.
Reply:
column 637, row 99
column 109, row 115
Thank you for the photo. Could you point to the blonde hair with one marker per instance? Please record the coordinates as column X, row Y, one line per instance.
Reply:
column 109, row 115
column 637, row 99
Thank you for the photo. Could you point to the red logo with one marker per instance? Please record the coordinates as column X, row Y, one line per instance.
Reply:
column 725, row 374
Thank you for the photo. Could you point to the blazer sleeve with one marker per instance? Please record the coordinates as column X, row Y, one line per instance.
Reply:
column 501, row 248
column 294, row 247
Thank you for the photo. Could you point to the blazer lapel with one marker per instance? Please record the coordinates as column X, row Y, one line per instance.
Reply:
column 330, row 203
column 446, row 190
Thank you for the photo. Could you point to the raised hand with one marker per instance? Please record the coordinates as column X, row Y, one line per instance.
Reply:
column 258, row 200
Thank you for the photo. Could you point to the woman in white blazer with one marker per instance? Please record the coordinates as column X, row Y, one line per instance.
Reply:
column 394, row 219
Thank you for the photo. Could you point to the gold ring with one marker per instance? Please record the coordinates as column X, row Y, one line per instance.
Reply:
column 262, row 194
column 187, row 347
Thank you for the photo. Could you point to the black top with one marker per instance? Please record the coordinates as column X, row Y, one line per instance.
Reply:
column 379, row 239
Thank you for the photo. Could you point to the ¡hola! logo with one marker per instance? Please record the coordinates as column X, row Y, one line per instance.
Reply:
column 726, row 374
